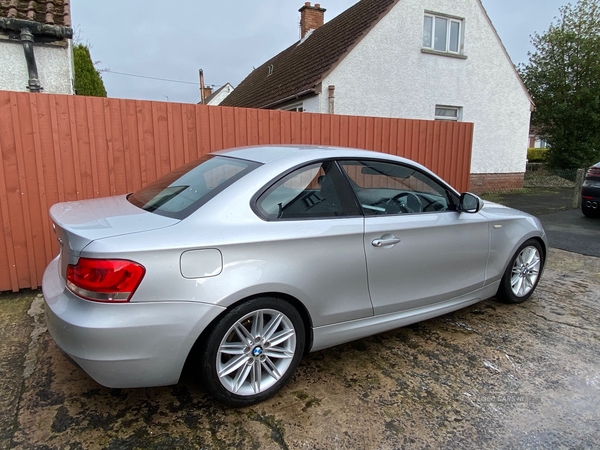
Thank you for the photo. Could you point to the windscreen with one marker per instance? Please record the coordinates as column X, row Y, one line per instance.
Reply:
column 183, row 191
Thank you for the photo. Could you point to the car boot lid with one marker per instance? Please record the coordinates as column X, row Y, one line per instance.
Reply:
column 78, row 223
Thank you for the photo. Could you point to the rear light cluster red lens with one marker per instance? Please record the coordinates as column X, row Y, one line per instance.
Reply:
column 593, row 172
column 105, row 280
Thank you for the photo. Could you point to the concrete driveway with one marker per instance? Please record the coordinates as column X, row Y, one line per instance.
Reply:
column 488, row 376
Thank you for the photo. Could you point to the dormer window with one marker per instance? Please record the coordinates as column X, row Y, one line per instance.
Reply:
column 442, row 33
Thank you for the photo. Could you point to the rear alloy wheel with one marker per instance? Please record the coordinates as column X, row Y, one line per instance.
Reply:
column 252, row 351
column 522, row 274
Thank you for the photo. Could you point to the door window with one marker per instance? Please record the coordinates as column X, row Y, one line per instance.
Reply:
column 384, row 188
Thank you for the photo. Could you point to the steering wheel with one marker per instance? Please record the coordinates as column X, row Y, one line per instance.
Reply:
column 407, row 202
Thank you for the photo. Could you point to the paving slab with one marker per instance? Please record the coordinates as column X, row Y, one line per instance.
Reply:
column 488, row 376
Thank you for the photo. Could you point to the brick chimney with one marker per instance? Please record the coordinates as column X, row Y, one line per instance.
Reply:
column 311, row 18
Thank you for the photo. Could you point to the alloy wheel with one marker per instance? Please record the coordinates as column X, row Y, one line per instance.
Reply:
column 525, row 271
column 256, row 352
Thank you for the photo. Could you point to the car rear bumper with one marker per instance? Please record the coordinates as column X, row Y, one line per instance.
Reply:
column 124, row 345
column 590, row 199
column 591, row 190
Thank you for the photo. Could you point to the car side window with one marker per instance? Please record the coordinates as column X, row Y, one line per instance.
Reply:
column 384, row 188
column 314, row 191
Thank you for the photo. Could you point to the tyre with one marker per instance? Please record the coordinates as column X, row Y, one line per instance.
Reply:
column 252, row 351
column 587, row 212
column 522, row 274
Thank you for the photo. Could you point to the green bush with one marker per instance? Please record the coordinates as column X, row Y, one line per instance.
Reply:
column 87, row 79
column 537, row 154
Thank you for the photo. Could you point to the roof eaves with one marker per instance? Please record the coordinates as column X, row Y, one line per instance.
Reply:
column 297, row 96
column 36, row 28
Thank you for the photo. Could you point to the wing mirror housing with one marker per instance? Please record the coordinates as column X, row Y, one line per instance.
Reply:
column 470, row 203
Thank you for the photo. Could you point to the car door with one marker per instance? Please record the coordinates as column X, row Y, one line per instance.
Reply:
column 420, row 251
column 313, row 237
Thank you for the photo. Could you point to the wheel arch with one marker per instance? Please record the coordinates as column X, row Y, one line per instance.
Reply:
column 542, row 243
column 539, row 239
column 504, row 293
column 297, row 304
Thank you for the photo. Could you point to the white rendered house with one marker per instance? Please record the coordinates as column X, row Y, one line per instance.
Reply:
column 416, row 59
column 215, row 98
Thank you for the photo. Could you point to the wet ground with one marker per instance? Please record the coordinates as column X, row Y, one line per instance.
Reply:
column 570, row 230
column 488, row 376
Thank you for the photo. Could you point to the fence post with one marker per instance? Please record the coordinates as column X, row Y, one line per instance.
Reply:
column 577, row 193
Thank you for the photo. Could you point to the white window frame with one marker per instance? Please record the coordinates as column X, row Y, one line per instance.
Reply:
column 296, row 107
column 449, row 21
column 457, row 118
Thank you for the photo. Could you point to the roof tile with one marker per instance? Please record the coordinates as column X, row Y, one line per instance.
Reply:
column 50, row 12
column 302, row 66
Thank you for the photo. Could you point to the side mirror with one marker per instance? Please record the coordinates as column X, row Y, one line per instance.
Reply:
column 470, row 203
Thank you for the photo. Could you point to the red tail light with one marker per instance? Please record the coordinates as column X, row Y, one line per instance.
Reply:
column 105, row 280
column 593, row 172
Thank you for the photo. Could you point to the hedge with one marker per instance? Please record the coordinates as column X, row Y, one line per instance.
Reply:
column 537, row 154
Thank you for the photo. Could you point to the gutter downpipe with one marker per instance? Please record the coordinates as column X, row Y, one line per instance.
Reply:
column 28, row 29
column 331, row 99
column 34, row 81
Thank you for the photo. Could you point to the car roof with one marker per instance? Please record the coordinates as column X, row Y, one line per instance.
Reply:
column 267, row 153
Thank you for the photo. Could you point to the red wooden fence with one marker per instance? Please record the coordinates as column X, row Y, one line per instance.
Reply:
column 58, row 148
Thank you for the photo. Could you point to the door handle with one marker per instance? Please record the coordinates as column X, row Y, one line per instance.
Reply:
column 385, row 240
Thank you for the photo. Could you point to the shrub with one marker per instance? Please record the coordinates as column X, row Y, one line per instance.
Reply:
column 87, row 79
column 537, row 154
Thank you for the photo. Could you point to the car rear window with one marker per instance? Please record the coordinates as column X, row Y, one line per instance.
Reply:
column 183, row 191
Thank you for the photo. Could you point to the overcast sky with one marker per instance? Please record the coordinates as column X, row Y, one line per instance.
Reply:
column 172, row 40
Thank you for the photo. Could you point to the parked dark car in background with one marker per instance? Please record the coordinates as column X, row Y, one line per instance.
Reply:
column 590, row 192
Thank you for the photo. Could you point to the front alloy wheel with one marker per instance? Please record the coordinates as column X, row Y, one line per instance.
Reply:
column 252, row 351
column 523, row 273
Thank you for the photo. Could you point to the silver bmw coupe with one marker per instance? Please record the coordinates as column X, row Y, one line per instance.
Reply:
column 244, row 260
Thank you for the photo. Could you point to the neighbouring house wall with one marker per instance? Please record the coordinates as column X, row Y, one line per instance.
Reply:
column 54, row 64
column 217, row 99
column 387, row 75
column 495, row 182
column 309, row 104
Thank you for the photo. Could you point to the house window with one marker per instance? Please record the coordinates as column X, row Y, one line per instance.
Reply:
column 296, row 107
column 442, row 34
column 451, row 113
